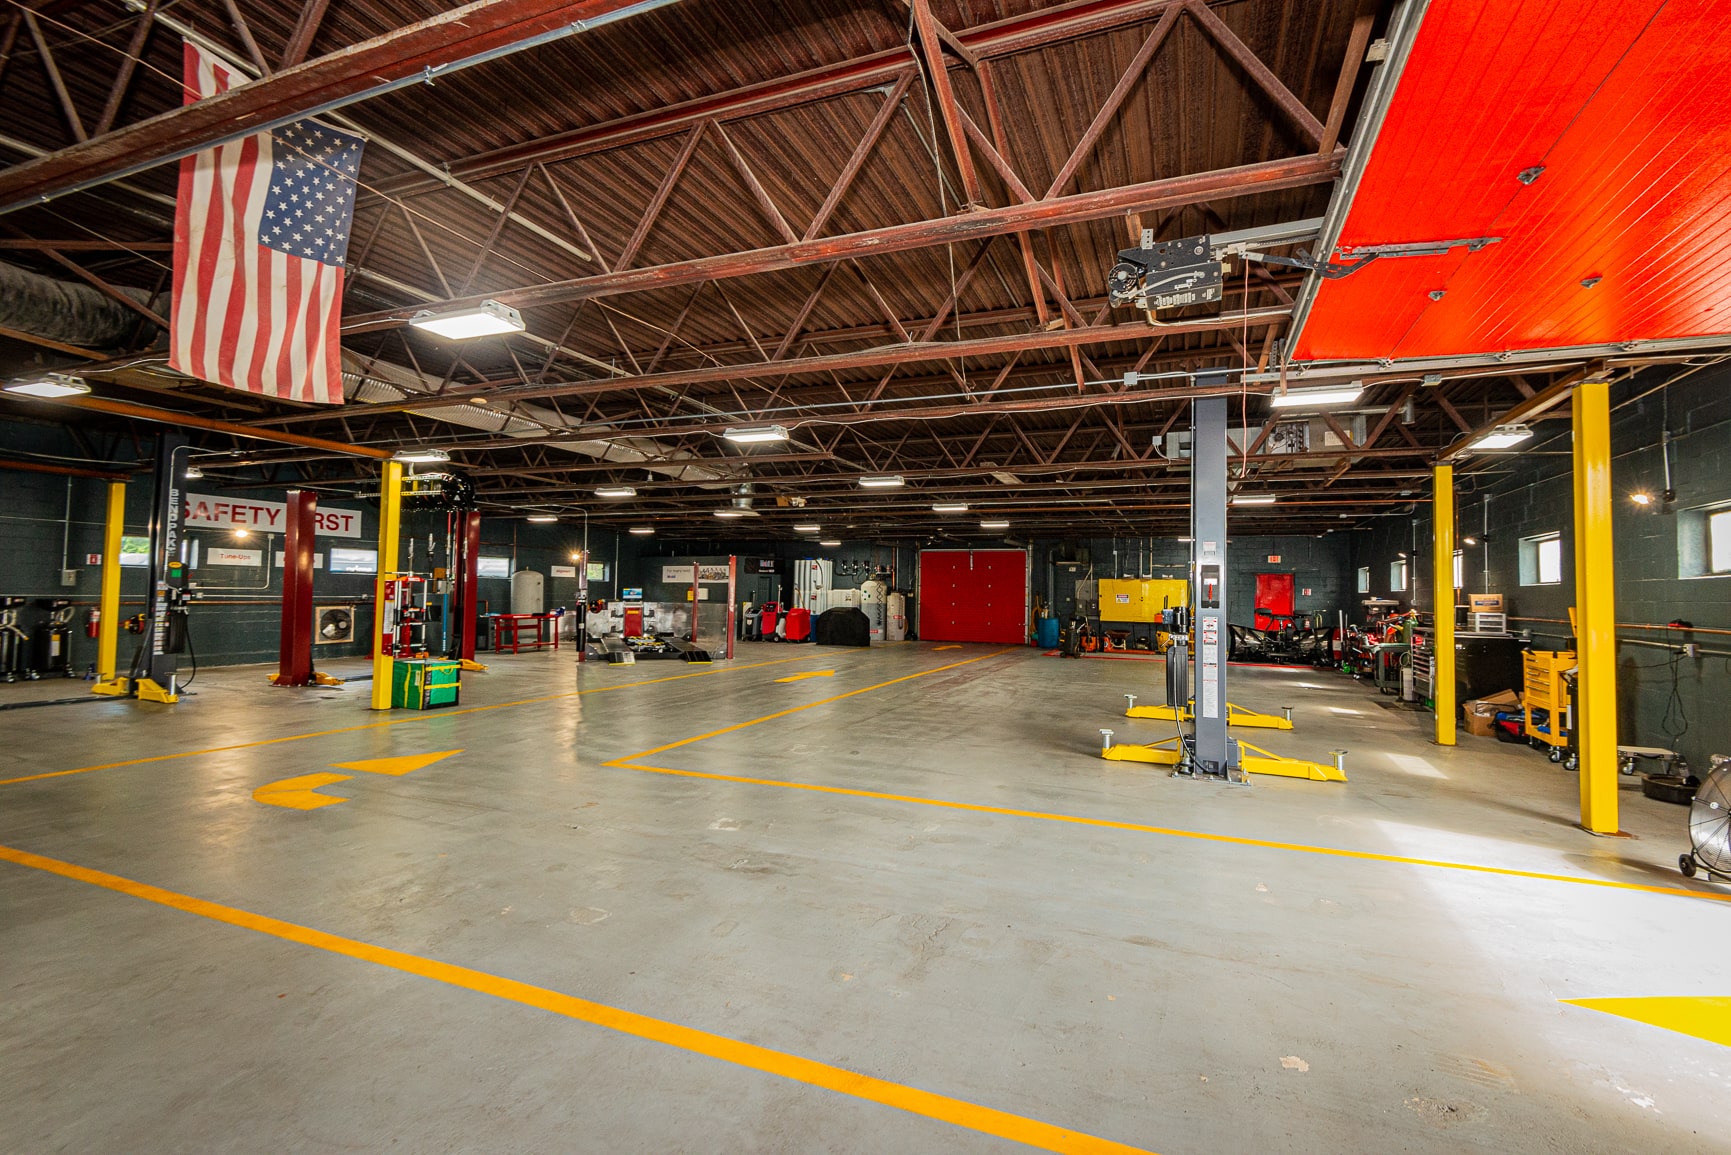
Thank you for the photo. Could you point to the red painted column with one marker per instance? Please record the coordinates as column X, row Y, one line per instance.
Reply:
column 468, row 582
column 295, row 650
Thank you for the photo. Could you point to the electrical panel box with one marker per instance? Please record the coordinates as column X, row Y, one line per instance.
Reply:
column 1141, row 600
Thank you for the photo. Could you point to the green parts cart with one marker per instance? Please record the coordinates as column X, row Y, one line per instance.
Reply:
column 425, row 685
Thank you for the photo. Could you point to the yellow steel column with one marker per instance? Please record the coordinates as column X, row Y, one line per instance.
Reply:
column 1443, row 601
column 108, row 605
column 390, row 511
column 1595, row 609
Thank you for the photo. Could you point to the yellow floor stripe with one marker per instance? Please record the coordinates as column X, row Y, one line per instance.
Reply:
column 1178, row 832
column 933, row 1106
column 796, row 709
column 419, row 717
column 1705, row 1017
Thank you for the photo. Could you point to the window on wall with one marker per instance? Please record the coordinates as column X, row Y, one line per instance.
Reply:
column 1363, row 579
column 1460, row 569
column 1542, row 560
column 1719, row 541
column 1397, row 576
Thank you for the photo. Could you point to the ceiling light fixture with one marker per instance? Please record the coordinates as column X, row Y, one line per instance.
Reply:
column 543, row 518
column 1502, row 437
column 421, row 456
column 488, row 319
column 994, row 525
column 829, row 544
column 1641, row 498
column 1317, row 398
column 808, row 529
column 641, row 530
column 731, row 512
column 615, row 491
column 887, row 481
column 949, row 507
column 755, row 434
column 1253, row 499
column 50, row 385
column 1186, row 539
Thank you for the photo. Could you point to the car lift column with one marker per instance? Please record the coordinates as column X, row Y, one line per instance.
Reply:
column 1215, row 753
column 390, row 511
column 1443, row 601
column 295, row 646
column 467, row 572
column 1595, row 721
column 108, row 606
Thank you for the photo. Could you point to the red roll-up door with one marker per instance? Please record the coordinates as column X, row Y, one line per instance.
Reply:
column 973, row 595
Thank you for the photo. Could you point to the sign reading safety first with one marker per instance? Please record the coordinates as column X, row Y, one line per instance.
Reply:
column 264, row 516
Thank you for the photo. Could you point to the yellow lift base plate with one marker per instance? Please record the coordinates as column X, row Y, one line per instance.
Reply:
column 1165, row 753
column 148, row 690
column 1235, row 716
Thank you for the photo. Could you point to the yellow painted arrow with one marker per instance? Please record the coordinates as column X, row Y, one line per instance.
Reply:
column 396, row 767
column 1707, row 1017
column 808, row 674
column 299, row 793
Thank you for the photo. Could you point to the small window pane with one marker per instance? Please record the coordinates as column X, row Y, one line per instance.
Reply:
column 1397, row 576
column 1719, row 541
column 1550, row 561
column 1363, row 579
column 1460, row 569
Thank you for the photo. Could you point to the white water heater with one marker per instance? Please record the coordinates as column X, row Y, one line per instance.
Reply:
column 812, row 579
column 896, row 618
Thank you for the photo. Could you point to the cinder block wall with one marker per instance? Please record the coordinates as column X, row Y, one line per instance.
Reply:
column 1674, row 702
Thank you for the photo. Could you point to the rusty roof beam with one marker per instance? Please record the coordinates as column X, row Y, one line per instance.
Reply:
column 1007, row 37
column 1245, row 180
column 480, row 30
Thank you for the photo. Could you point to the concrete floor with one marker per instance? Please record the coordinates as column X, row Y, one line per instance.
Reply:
column 744, row 946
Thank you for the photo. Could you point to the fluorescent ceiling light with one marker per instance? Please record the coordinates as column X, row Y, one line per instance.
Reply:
column 543, row 518
column 830, row 544
column 731, row 512
column 994, row 525
column 420, row 456
column 193, row 473
column 1006, row 478
column 1502, row 437
column 642, row 530
column 1186, row 539
column 949, row 507
column 1253, row 499
column 51, row 385
column 891, row 481
column 1312, row 398
column 752, row 434
column 615, row 491
column 808, row 529
column 488, row 319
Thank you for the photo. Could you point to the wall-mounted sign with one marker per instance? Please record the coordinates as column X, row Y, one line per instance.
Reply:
column 493, row 567
column 92, row 559
column 1273, row 559
column 597, row 571
column 268, row 516
column 282, row 560
column 712, row 573
column 563, row 571
column 675, row 575
column 225, row 556
column 134, row 551
column 354, row 560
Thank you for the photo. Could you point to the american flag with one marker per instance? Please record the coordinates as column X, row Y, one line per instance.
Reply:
column 261, row 231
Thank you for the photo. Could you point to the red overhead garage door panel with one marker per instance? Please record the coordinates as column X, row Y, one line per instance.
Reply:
column 974, row 595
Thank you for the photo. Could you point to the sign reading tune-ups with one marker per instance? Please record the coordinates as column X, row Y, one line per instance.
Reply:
column 264, row 516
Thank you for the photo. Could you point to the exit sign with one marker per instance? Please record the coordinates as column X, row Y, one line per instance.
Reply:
column 1273, row 559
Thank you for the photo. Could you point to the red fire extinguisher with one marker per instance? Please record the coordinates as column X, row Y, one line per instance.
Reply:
column 92, row 622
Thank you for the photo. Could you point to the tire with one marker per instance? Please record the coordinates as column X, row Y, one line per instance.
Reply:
column 1686, row 865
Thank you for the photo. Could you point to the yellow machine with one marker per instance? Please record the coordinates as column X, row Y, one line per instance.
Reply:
column 1142, row 600
column 1543, row 689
